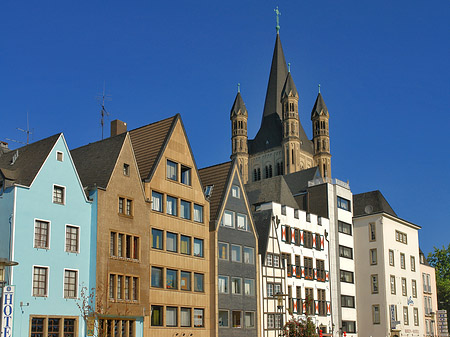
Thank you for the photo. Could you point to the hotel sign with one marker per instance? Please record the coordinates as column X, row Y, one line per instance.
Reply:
column 7, row 311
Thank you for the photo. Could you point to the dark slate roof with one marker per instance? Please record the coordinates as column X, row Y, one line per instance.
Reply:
column 238, row 106
column 289, row 88
column 298, row 181
column 269, row 135
column 277, row 77
column 273, row 189
column 319, row 107
column 218, row 176
column 371, row 202
column 305, row 144
column 95, row 162
column 148, row 143
column 262, row 220
column 29, row 161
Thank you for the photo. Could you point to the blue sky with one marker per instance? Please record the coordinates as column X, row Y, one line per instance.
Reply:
column 382, row 65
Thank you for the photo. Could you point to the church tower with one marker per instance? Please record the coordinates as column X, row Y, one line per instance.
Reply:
column 239, row 149
column 321, row 137
column 291, row 140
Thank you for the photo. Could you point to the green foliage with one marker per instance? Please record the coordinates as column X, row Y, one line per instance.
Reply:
column 440, row 260
column 300, row 327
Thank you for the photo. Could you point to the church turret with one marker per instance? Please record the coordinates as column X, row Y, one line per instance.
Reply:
column 290, row 119
column 239, row 150
column 321, row 137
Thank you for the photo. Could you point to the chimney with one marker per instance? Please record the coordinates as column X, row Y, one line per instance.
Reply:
column 118, row 127
column 3, row 145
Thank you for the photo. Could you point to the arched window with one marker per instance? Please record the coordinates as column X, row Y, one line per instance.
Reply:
column 293, row 158
column 317, row 145
column 279, row 168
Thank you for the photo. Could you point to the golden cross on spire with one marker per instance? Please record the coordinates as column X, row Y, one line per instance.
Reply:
column 278, row 18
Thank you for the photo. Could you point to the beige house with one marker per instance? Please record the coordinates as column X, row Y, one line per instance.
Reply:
column 429, row 293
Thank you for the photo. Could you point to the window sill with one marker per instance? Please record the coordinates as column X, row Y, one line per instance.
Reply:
column 123, row 215
column 124, row 259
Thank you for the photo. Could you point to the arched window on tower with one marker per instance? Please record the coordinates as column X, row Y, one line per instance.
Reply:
column 324, row 145
column 293, row 157
column 317, row 145
column 325, row 173
column 280, row 168
column 291, row 106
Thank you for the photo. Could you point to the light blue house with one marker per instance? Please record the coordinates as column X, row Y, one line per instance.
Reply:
column 47, row 226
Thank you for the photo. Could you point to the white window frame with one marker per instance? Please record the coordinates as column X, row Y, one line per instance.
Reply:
column 46, row 281
column 253, row 315
column 228, row 319
column 239, row 279
column 252, row 250
column 241, row 216
column 48, row 232
column 235, row 191
column 228, row 251
column 227, row 278
column 78, row 238
column 229, row 213
column 64, row 196
column 240, row 253
column 76, row 282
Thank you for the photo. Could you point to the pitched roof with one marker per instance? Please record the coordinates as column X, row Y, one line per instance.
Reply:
column 269, row 135
column 289, row 88
column 298, row 181
column 423, row 259
column 319, row 107
column 371, row 202
column 148, row 143
column 95, row 162
column 216, row 175
column 238, row 106
column 28, row 162
column 262, row 220
column 273, row 189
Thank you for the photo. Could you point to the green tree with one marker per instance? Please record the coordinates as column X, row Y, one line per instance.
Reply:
column 440, row 260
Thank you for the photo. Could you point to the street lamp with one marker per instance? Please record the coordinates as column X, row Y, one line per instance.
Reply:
column 279, row 297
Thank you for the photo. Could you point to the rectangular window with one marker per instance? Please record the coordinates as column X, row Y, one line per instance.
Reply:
column 53, row 327
column 171, row 316
column 223, row 284
column 416, row 316
column 346, row 276
column 157, row 238
column 346, row 252
column 40, row 281
column 236, row 317
column 372, row 232
column 414, row 288
column 157, row 315
column 236, row 286
column 185, row 209
column 347, row 301
column 157, row 277
column 127, row 287
column 126, row 169
column 72, row 237
column 171, row 242
column 235, row 191
column 344, row 227
column 129, row 209
column 185, row 280
column 198, row 247
column 349, row 326
column 121, row 202
column 249, row 319
column 322, row 302
column 413, row 263
column 393, row 288
column 112, row 244
column 171, row 205
column 171, row 279
column 198, row 282
column 405, row 316
column 135, row 288
column 249, row 255
column 41, row 234
column 112, row 286
column 223, row 318
column 185, row 175
column 236, row 253
column 157, row 201
column 373, row 257
column 185, row 244
column 59, row 156
column 269, row 289
column 120, row 287
column 223, row 251
column 242, row 221
column 269, row 260
column 198, row 213
column 309, row 297
column 58, row 195
column 320, row 267
column 404, row 288
column 402, row 261
column 343, row 204
column 120, row 245
column 276, row 261
column 391, row 258
column 376, row 314
column 172, row 170
column 309, row 270
column 228, row 219
column 374, row 283
column 308, row 239
column 270, row 321
column 185, row 317
column 128, row 246
column 70, row 283
column 199, row 318
column 249, row 287
column 401, row 237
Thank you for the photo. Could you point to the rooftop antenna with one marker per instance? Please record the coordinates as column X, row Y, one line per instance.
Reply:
column 27, row 131
column 103, row 98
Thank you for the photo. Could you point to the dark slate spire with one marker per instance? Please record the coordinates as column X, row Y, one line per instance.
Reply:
column 238, row 107
column 319, row 107
column 277, row 77
column 289, row 87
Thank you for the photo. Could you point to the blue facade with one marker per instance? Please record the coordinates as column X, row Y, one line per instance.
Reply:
column 53, row 240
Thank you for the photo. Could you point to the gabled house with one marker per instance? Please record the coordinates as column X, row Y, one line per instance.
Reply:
column 45, row 226
column 110, row 176
column 234, row 252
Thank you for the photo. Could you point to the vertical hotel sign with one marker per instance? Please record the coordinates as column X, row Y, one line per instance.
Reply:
column 7, row 311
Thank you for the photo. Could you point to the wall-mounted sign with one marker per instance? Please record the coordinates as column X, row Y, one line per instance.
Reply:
column 7, row 311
